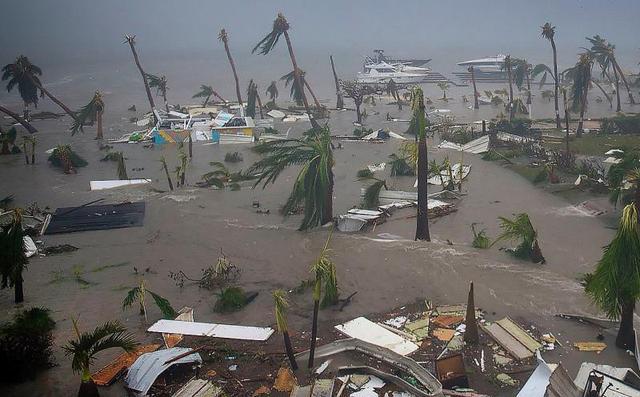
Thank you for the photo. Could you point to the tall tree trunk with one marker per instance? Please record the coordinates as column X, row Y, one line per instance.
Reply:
column 527, row 74
column 476, row 105
column 144, row 78
column 327, row 215
column 31, row 129
column 166, row 172
column 233, row 69
column 259, row 104
column 358, row 113
column 510, row 78
column 190, row 145
column 33, row 151
column 555, row 81
column 296, row 74
column 314, row 333
column 340, row 100
column 206, row 101
column 24, row 150
column 422, row 223
column 617, row 82
column 624, row 80
column 566, row 116
column 315, row 100
column 166, row 103
column 583, row 108
column 18, row 289
column 99, row 124
column 289, row 349
column 626, row 337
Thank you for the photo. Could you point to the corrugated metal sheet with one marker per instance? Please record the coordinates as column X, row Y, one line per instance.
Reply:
column 368, row 331
column 146, row 369
column 212, row 330
column 560, row 385
column 96, row 217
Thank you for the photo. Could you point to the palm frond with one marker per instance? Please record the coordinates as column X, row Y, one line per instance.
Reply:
column 132, row 296
column 163, row 304
column 280, row 309
column 268, row 42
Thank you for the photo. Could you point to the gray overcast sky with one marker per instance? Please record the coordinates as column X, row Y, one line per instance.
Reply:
column 57, row 31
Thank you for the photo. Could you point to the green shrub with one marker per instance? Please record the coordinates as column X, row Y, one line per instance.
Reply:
column 364, row 173
column 26, row 343
column 480, row 239
column 233, row 157
column 621, row 124
column 230, row 299
column 60, row 152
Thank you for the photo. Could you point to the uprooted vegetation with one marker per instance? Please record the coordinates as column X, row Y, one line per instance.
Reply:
column 221, row 274
column 64, row 157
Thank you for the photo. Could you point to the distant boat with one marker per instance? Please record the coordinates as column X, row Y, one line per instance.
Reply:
column 486, row 70
column 383, row 72
column 380, row 57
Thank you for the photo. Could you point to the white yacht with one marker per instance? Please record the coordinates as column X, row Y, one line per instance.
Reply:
column 382, row 72
column 489, row 64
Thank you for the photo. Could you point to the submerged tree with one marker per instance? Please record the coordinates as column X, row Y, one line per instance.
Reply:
column 88, row 344
column 476, row 105
column 139, row 293
column 357, row 92
column 90, row 113
column 206, row 92
column 340, row 100
column 549, row 32
column 313, row 187
column 419, row 123
column 604, row 53
column 296, row 91
column 131, row 40
column 160, row 84
column 615, row 284
column 520, row 228
column 272, row 93
column 268, row 43
column 224, row 38
column 13, row 259
column 444, row 86
column 324, row 272
column 280, row 310
column 25, row 75
column 31, row 129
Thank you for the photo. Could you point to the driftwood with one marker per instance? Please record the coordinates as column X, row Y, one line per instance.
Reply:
column 346, row 301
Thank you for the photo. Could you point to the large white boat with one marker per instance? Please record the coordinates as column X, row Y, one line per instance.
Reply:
column 489, row 69
column 382, row 73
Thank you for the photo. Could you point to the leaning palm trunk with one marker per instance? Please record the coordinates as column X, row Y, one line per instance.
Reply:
column 566, row 116
column 259, row 104
column 53, row 98
column 624, row 80
column 583, row 108
column 340, row 100
column 166, row 172
column 510, row 78
column 166, row 103
column 315, row 100
column 528, row 75
column 225, row 41
column 314, row 331
column 296, row 74
column 31, row 129
column 144, row 75
column 556, row 83
column 605, row 94
column 617, row 82
column 422, row 226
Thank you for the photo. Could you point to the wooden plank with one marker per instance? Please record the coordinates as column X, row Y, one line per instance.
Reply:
column 520, row 334
column 590, row 346
column 507, row 341
column 109, row 373
column 199, row 388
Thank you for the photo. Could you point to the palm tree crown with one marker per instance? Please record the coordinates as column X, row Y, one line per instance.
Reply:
column 88, row 114
column 268, row 42
column 23, row 74
column 313, row 187
column 272, row 91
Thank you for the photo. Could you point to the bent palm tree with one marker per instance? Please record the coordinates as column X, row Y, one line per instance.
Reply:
column 139, row 292
column 160, row 84
column 615, row 284
column 580, row 75
column 25, row 75
column 268, row 43
column 339, row 101
column 520, row 228
column 13, row 260
column 296, row 92
column 280, row 310
column 549, row 32
column 313, row 187
column 419, row 123
column 88, row 344
column 206, row 92
column 252, row 96
column 272, row 93
column 224, row 38
column 604, row 53
column 90, row 113
column 324, row 271
column 131, row 40
column 522, row 74
column 508, row 66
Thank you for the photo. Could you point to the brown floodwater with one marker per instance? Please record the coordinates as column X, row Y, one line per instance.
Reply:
column 186, row 229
